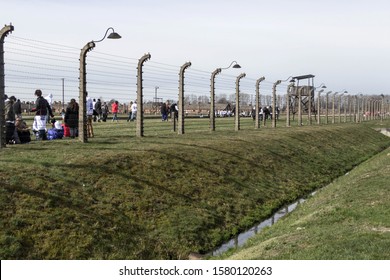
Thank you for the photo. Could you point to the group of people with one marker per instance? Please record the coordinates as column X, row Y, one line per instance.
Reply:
column 265, row 113
column 18, row 132
column 167, row 109
column 98, row 111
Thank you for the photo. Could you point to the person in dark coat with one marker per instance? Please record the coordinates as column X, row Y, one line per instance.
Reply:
column 18, row 109
column 98, row 109
column 104, row 111
column 42, row 107
column 164, row 112
column 72, row 117
column 174, row 110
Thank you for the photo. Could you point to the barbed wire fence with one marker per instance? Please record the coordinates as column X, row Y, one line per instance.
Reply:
column 54, row 68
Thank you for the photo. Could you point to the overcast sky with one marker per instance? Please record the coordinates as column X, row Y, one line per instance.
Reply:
column 345, row 44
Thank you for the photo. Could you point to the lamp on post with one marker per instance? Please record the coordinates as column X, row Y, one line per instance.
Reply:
column 83, row 83
column 3, row 33
column 212, row 92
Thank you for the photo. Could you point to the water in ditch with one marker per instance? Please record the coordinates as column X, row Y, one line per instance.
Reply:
column 240, row 239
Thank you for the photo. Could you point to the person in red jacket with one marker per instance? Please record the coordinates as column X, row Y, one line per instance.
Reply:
column 114, row 111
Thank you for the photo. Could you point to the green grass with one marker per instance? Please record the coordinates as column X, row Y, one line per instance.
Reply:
column 349, row 219
column 165, row 195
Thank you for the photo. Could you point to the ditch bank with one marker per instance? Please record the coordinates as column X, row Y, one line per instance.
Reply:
column 346, row 220
column 165, row 200
column 240, row 239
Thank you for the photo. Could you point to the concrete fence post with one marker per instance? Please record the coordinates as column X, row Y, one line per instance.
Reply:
column 300, row 106
column 181, row 98
column 274, row 103
column 140, row 101
column 339, row 107
column 3, row 33
column 83, row 92
column 334, row 108
column 258, row 103
column 290, row 88
column 319, row 106
column 212, row 98
column 310, row 92
column 237, row 112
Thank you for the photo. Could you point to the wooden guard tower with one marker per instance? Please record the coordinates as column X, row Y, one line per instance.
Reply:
column 301, row 97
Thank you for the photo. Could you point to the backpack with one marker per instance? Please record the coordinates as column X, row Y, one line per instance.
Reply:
column 55, row 134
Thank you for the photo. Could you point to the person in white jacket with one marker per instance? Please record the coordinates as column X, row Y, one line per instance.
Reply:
column 134, row 109
column 49, row 99
column 39, row 127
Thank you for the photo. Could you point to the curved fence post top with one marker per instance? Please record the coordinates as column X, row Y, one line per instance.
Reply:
column 242, row 75
column 216, row 71
column 185, row 66
column 6, row 30
column 144, row 58
column 88, row 47
column 259, row 80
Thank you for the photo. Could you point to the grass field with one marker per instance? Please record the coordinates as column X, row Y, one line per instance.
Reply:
column 164, row 195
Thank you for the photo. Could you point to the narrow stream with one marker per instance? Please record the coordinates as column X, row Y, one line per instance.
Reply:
column 240, row 239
